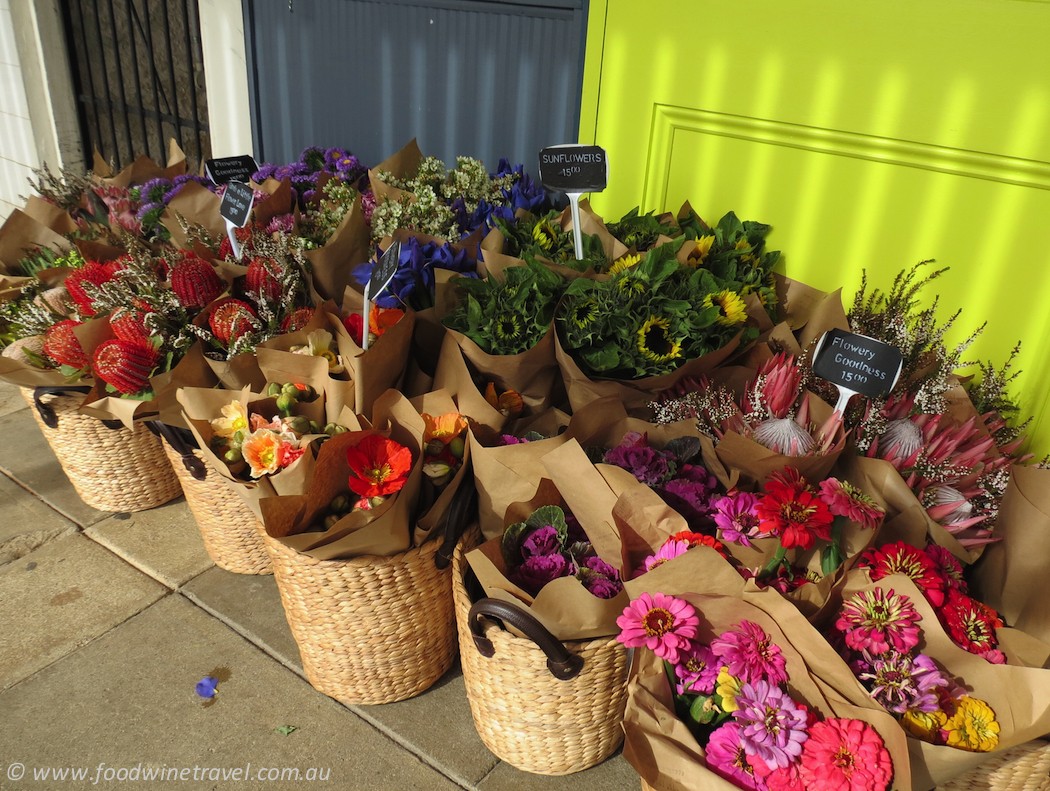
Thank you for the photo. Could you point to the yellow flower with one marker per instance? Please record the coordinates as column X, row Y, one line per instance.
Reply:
column 653, row 342
column 973, row 727
column 624, row 263
column 743, row 244
column 730, row 306
column 924, row 725
column 700, row 252
column 544, row 234
column 443, row 428
column 262, row 450
column 319, row 344
column 234, row 418
column 727, row 687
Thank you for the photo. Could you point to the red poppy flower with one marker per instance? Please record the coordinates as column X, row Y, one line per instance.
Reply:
column 793, row 512
column 378, row 466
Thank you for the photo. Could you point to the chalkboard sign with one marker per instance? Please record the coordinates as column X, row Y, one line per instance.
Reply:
column 227, row 169
column 574, row 168
column 237, row 203
column 383, row 271
column 857, row 363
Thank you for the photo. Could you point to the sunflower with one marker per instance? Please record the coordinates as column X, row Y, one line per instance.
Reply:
column 624, row 263
column 630, row 283
column 544, row 234
column 583, row 314
column 654, row 343
column 508, row 328
column 700, row 252
column 731, row 309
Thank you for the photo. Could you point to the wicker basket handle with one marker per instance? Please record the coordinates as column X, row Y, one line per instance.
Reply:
column 561, row 663
column 47, row 414
column 194, row 466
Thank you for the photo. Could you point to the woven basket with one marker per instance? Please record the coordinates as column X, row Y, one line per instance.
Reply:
column 232, row 534
column 111, row 469
column 369, row 629
column 523, row 713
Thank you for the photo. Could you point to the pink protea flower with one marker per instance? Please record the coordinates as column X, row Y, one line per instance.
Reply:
column 772, row 726
column 726, row 757
column 845, row 499
column 697, row 670
column 845, row 755
column 750, row 654
column 664, row 624
column 670, row 549
column 877, row 621
column 776, row 388
column 736, row 518
column 901, row 557
column 785, row 436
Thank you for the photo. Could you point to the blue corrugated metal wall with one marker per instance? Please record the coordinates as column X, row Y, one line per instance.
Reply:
column 473, row 77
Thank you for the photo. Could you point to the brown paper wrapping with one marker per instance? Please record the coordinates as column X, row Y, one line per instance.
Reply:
column 348, row 247
column 202, row 405
column 453, row 375
column 50, row 215
column 236, row 372
column 386, row 530
column 1009, row 574
column 199, row 205
column 21, row 235
column 142, row 169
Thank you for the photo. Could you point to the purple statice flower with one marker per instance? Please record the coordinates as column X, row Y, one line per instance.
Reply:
column 312, row 159
column 772, row 725
column 537, row 571
column 697, row 670
column 368, row 205
column 750, row 654
column 265, row 171
column 727, row 758
column 900, row 682
column 598, row 577
column 541, row 541
column 736, row 517
column 149, row 213
column 634, row 454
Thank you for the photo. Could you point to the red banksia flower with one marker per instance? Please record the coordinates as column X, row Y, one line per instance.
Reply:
column 125, row 365
column 195, row 282
column 231, row 318
column 261, row 278
column 91, row 272
column 62, row 346
column 297, row 319
column 127, row 324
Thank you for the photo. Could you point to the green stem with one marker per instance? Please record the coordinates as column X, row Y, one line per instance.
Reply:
column 774, row 564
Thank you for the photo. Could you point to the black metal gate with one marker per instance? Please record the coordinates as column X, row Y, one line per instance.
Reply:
column 138, row 73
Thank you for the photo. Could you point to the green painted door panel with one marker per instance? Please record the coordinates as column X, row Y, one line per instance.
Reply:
column 869, row 135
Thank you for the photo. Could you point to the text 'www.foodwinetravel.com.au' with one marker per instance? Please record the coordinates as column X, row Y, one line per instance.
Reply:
column 159, row 773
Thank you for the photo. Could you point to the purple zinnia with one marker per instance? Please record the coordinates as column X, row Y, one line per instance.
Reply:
column 772, row 726
column 669, row 550
column 750, row 654
column 726, row 756
column 900, row 682
column 697, row 670
column 736, row 517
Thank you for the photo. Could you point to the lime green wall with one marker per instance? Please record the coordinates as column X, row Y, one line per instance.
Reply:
column 869, row 134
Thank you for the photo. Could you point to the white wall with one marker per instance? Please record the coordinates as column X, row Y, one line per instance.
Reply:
column 225, row 77
column 18, row 150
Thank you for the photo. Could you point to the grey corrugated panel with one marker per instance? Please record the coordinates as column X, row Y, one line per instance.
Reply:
column 485, row 79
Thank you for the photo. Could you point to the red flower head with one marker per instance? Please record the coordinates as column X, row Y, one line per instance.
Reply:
column 793, row 512
column 127, row 324
column 195, row 281
column 970, row 623
column 378, row 466
column 62, row 346
column 230, row 319
column 845, row 755
column 125, row 365
column 297, row 319
column 91, row 272
column 699, row 540
column 902, row 558
column 261, row 278
column 355, row 325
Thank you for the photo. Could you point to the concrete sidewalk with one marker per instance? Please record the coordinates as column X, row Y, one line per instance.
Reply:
column 107, row 622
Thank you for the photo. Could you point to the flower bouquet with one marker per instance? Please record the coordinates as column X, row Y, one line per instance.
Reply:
column 355, row 563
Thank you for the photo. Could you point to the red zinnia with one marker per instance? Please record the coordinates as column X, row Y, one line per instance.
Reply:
column 902, row 558
column 970, row 623
column 378, row 466
column 793, row 512
column 845, row 755
column 699, row 540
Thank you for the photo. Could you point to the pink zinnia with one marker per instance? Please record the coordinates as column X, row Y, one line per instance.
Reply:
column 663, row 624
column 877, row 621
column 845, row 755
column 697, row 670
column 845, row 499
column 726, row 757
column 670, row 549
column 750, row 655
column 902, row 558
column 786, row 779
column 773, row 727
column 735, row 516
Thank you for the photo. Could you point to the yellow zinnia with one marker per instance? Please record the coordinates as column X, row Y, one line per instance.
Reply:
column 234, row 418
column 727, row 687
column 924, row 725
column 973, row 727
column 624, row 263
column 731, row 308
column 654, row 343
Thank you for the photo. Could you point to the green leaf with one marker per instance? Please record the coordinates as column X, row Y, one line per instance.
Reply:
column 285, row 730
column 601, row 359
column 703, row 710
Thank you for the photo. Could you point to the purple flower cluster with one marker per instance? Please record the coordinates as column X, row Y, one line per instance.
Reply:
column 548, row 546
column 304, row 172
column 413, row 282
column 154, row 196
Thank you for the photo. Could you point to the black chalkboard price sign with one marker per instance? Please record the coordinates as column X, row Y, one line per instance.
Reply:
column 227, row 169
column 237, row 203
column 574, row 169
column 857, row 363
column 383, row 271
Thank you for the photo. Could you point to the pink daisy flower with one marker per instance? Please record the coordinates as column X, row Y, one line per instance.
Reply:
column 845, row 755
column 750, row 655
column 845, row 499
column 726, row 757
column 773, row 727
column 736, row 518
column 670, row 549
column 663, row 624
column 878, row 621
